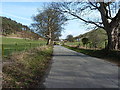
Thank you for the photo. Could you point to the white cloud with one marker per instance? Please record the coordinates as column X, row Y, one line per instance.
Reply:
column 16, row 16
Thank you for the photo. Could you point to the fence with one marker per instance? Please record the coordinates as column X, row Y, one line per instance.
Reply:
column 7, row 49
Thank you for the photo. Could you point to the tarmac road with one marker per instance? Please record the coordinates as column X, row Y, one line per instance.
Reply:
column 70, row 69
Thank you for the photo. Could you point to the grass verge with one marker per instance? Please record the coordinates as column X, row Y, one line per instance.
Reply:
column 26, row 68
column 112, row 56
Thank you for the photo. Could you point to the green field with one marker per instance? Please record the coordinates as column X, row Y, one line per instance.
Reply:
column 10, row 45
column 73, row 43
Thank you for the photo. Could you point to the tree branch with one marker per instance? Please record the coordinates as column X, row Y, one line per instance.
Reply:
column 109, row 10
column 116, row 19
column 93, row 5
column 91, row 22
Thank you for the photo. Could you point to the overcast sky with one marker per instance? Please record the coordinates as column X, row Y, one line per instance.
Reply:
column 22, row 12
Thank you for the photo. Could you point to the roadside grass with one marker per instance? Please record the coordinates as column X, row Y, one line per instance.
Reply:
column 10, row 45
column 26, row 68
column 112, row 56
column 73, row 43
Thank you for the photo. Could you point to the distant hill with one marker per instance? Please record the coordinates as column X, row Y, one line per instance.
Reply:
column 96, row 37
column 11, row 28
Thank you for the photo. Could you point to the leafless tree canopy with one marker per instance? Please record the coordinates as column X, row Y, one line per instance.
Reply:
column 49, row 23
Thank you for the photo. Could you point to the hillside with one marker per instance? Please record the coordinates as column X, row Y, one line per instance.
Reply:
column 11, row 28
column 96, row 37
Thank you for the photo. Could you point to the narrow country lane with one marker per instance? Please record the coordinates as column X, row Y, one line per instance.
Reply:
column 70, row 69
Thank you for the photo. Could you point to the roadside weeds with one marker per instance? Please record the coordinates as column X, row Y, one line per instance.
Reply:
column 27, row 68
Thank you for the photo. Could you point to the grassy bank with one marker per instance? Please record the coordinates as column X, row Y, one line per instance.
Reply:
column 26, row 68
column 112, row 56
column 11, row 45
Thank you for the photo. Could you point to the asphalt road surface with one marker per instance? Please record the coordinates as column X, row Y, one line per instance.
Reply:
column 70, row 69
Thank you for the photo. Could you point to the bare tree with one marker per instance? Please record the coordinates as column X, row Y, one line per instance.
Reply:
column 49, row 23
column 109, row 18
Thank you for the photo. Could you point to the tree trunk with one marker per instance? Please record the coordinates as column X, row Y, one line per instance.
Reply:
column 109, row 45
column 116, row 38
column 49, row 41
column 111, row 27
column 119, row 39
column 113, row 38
